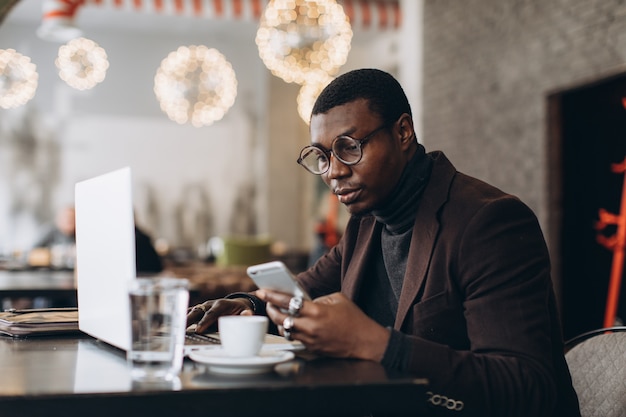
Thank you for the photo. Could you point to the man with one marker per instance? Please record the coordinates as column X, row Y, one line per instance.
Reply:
column 58, row 245
column 64, row 234
column 437, row 273
column 64, row 230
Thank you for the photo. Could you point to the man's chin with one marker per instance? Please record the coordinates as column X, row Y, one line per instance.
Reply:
column 356, row 209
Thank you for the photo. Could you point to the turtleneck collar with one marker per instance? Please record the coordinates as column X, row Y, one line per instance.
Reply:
column 398, row 213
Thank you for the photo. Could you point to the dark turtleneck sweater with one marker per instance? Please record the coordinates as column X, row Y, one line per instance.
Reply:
column 380, row 293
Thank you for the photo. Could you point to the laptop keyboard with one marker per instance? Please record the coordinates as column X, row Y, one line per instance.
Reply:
column 200, row 339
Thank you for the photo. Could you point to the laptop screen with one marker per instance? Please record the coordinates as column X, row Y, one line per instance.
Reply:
column 105, row 255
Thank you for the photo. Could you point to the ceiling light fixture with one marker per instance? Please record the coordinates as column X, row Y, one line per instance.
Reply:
column 18, row 79
column 195, row 84
column 308, row 94
column 299, row 39
column 82, row 63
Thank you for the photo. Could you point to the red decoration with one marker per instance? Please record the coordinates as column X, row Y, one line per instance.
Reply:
column 616, row 244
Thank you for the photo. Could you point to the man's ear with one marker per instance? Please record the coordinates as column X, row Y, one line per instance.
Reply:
column 407, row 133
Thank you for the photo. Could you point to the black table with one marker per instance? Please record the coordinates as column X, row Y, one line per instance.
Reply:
column 80, row 376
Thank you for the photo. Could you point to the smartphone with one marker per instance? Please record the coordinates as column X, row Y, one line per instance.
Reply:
column 276, row 276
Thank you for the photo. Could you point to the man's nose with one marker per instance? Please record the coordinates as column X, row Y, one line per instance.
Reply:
column 336, row 168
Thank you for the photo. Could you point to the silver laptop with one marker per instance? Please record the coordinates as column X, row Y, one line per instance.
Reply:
column 105, row 262
column 105, row 256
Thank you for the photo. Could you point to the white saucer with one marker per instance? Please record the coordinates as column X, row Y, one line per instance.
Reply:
column 220, row 363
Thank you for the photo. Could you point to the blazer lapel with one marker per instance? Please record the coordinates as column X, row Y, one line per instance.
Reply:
column 424, row 235
column 356, row 273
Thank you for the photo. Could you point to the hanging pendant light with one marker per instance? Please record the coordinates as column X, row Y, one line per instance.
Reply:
column 195, row 84
column 18, row 79
column 299, row 39
column 82, row 63
column 308, row 94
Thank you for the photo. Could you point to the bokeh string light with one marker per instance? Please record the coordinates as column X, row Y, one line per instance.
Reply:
column 299, row 39
column 82, row 63
column 308, row 94
column 18, row 79
column 195, row 84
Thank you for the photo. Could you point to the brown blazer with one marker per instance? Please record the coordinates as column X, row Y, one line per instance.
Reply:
column 477, row 301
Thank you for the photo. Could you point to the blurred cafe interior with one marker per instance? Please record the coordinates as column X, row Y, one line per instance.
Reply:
column 88, row 87
column 528, row 96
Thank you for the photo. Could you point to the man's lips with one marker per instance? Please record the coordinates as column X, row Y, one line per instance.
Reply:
column 346, row 195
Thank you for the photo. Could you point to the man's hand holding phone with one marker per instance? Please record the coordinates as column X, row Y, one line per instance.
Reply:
column 275, row 276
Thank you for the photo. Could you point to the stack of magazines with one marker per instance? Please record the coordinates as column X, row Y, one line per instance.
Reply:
column 38, row 321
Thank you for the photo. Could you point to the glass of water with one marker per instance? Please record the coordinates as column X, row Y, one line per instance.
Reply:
column 158, row 308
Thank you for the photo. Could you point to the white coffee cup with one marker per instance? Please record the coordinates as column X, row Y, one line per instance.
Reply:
column 242, row 336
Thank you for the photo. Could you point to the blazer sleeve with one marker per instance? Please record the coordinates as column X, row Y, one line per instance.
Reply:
column 328, row 274
column 324, row 276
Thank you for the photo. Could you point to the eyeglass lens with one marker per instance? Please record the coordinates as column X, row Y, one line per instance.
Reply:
column 346, row 149
column 314, row 159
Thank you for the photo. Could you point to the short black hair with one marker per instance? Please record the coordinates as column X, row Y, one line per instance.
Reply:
column 384, row 93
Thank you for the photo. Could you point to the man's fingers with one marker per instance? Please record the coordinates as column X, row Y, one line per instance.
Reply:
column 193, row 316
column 191, row 319
column 206, row 314
column 333, row 298
column 278, row 299
column 205, row 323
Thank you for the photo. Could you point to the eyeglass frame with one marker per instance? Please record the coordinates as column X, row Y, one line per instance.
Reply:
column 328, row 152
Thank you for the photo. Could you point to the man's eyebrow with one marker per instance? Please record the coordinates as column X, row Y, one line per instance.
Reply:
column 348, row 132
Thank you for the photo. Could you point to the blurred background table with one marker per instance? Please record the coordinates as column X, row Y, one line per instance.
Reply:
column 208, row 280
column 58, row 287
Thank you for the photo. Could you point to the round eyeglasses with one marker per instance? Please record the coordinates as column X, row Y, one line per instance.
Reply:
column 346, row 149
